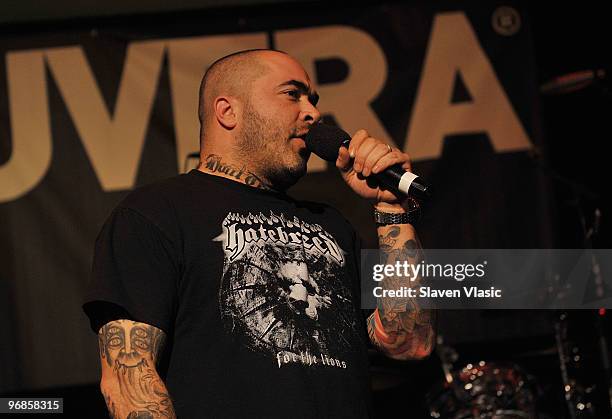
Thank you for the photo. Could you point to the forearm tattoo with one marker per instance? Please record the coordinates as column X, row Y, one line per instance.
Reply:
column 131, row 350
column 400, row 327
column 214, row 164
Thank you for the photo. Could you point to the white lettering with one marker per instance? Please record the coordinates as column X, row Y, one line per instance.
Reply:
column 427, row 292
column 31, row 132
column 113, row 144
column 453, row 47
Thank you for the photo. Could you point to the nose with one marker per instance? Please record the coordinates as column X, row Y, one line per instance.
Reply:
column 127, row 344
column 310, row 113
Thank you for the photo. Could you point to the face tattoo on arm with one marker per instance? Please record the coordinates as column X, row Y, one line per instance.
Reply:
column 129, row 351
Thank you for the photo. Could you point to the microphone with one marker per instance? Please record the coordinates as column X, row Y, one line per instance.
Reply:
column 325, row 140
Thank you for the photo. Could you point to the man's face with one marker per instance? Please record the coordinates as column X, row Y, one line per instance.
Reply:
column 278, row 111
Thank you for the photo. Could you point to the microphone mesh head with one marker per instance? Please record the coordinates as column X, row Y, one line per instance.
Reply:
column 325, row 140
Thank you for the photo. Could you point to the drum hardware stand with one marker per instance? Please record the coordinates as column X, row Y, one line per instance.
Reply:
column 447, row 356
column 572, row 391
column 568, row 386
column 569, row 83
column 604, row 352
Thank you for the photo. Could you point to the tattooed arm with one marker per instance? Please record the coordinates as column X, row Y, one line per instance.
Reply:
column 130, row 384
column 399, row 327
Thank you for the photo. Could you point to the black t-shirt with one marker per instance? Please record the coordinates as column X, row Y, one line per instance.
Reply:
column 258, row 294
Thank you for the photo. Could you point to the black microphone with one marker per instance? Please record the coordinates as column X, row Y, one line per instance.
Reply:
column 325, row 140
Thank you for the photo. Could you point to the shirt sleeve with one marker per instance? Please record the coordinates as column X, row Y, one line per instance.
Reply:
column 135, row 273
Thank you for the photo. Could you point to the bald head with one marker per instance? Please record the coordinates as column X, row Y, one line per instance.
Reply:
column 255, row 108
column 231, row 75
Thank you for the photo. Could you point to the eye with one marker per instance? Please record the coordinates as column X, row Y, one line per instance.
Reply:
column 140, row 344
column 114, row 342
column 295, row 94
column 140, row 333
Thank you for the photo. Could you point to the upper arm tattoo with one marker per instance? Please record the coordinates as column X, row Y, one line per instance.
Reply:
column 123, row 341
column 129, row 351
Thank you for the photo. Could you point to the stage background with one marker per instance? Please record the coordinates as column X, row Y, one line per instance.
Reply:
column 92, row 108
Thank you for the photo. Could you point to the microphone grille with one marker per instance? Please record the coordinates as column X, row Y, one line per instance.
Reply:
column 325, row 140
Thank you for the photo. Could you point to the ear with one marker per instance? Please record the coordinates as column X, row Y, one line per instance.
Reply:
column 225, row 112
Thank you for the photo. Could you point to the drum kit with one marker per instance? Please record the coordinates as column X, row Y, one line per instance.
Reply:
column 485, row 390
column 505, row 390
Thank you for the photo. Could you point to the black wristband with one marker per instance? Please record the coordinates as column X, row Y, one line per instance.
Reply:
column 411, row 216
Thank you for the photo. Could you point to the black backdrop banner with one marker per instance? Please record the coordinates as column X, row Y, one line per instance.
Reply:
column 91, row 110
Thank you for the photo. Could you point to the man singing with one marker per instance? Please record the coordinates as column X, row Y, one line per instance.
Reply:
column 216, row 295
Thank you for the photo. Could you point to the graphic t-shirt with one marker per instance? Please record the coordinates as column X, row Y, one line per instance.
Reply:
column 257, row 293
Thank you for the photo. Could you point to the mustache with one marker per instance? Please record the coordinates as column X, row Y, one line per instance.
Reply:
column 300, row 132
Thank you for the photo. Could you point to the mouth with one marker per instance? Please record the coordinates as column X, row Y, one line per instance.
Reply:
column 299, row 139
column 302, row 134
column 119, row 365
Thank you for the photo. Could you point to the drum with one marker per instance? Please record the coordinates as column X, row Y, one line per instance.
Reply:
column 485, row 391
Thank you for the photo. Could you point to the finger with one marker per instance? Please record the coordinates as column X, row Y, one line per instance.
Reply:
column 343, row 162
column 380, row 150
column 389, row 160
column 407, row 166
column 356, row 141
column 361, row 153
